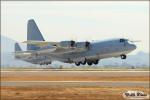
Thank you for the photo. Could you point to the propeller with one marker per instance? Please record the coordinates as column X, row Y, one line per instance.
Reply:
column 129, row 38
column 133, row 41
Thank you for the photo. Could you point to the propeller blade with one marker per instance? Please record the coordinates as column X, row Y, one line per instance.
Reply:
column 136, row 41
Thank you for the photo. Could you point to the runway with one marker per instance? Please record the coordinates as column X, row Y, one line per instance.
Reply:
column 75, row 84
column 75, row 78
column 75, row 73
column 78, row 85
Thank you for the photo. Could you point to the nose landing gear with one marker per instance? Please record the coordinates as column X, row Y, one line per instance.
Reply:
column 123, row 56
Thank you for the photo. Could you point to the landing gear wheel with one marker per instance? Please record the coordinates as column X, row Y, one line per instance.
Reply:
column 123, row 56
column 83, row 63
column 95, row 62
column 89, row 63
column 77, row 63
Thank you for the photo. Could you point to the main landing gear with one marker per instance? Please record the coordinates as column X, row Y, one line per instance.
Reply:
column 45, row 63
column 89, row 62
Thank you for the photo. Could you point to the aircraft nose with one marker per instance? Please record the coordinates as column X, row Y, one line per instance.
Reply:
column 133, row 46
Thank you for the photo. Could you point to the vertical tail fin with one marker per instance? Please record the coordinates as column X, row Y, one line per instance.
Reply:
column 17, row 47
column 33, row 33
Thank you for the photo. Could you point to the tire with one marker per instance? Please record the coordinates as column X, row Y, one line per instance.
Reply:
column 89, row 63
column 77, row 63
column 123, row 56
column 95, row 62
column 83, row 63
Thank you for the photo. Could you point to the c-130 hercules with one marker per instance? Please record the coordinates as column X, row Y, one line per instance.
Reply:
column 43, row 52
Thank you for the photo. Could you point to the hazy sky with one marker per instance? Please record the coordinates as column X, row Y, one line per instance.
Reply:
column 78, row 20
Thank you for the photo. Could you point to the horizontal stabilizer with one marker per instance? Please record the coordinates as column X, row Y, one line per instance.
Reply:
column 17, row 47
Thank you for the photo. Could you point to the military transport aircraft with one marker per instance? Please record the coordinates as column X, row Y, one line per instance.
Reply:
column 43, row 52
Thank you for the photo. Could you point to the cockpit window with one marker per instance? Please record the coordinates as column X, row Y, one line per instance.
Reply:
column 122, row 40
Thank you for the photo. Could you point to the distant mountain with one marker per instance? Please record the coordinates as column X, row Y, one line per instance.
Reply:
column 7, row 44
column 7, row 55
column 141, row 59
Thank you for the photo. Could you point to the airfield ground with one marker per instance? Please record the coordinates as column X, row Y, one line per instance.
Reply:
column 65, row 93
column 71, row 85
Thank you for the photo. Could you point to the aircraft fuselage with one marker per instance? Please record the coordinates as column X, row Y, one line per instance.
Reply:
column 97, row 50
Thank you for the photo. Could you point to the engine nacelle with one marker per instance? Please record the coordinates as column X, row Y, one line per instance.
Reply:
column 83, row 44
column 75, row 44
column 68, row 43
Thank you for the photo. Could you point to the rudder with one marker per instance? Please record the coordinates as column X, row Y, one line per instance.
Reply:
column 33, row 33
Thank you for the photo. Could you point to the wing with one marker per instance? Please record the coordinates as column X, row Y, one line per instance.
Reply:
column 60, row 48
column 41, row 43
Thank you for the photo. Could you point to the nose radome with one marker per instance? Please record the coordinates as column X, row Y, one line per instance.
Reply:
column 133, row 46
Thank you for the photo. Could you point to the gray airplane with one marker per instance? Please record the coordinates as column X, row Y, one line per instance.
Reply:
column 43, row 52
